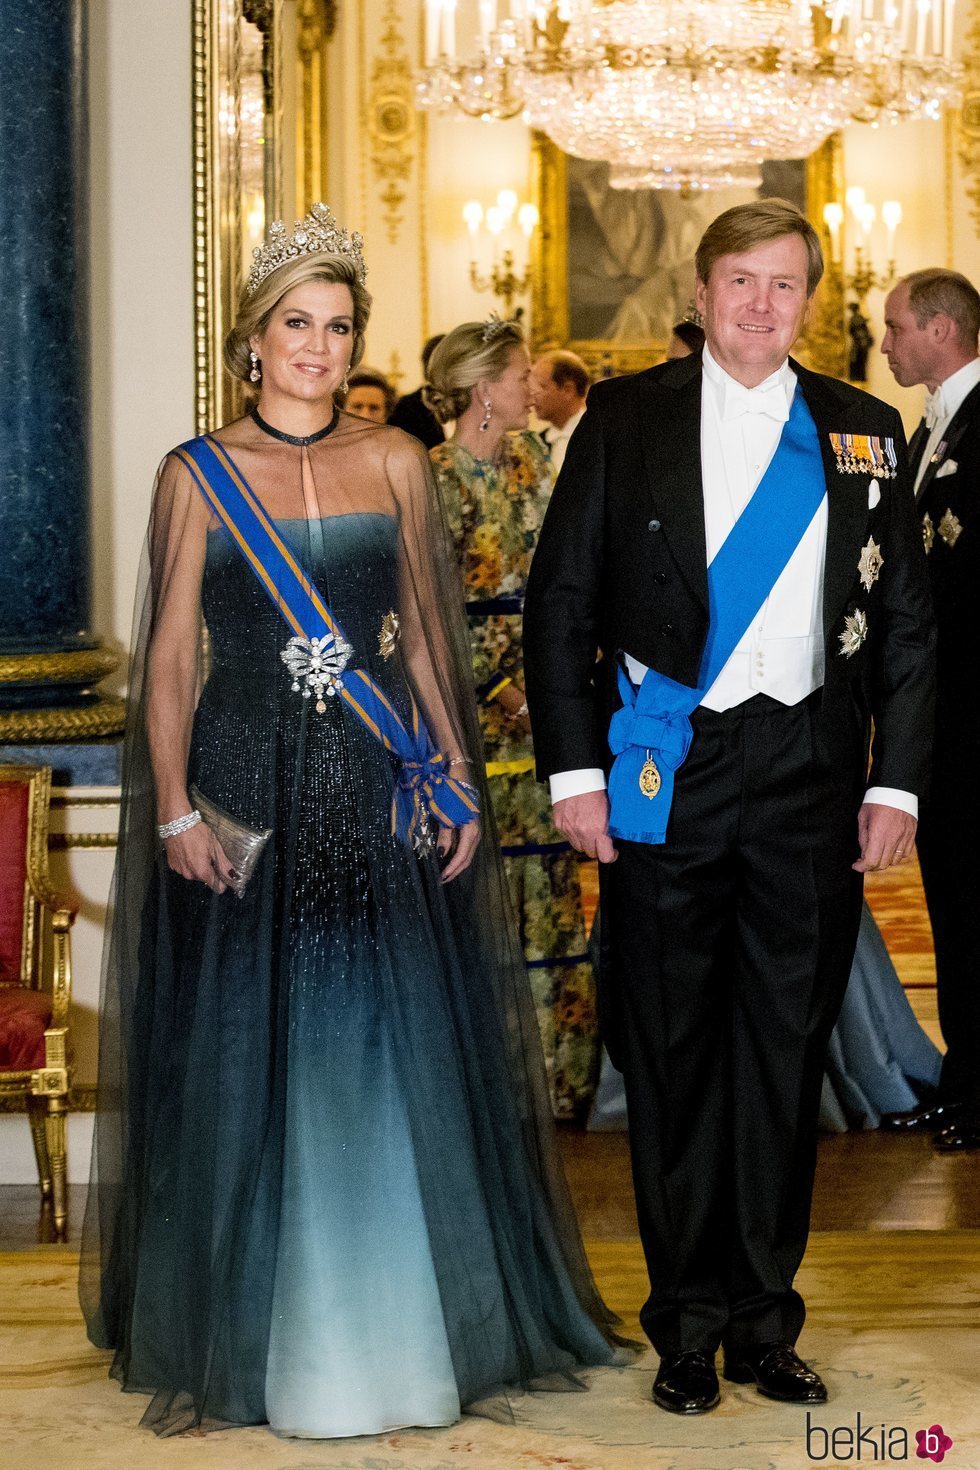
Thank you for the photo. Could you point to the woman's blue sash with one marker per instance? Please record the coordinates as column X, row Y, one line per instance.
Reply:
column 424, row 788
column 651, row 735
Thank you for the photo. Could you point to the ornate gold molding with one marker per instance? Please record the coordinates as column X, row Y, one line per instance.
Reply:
column 67, row 841
column 316, row 22
column 91, row 722
column 969, row 119
column 217, row 60
column 204, row 194
column 391, row 120
column 81, row 666
column 82, row 1098
column 825, row 345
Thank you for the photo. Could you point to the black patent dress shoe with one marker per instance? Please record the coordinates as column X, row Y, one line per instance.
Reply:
column 777, row 1372
column 931, row 1115
column 686, row 1383
column 962, row 1133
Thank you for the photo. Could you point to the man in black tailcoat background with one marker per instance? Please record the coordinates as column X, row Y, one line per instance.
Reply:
column 730, row 944
column 932, row 320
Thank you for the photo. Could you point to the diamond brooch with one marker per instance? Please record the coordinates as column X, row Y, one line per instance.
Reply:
column 316, row 665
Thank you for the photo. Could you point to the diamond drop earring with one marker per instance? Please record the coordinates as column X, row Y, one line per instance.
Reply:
column 487, row 415
column 256, row 373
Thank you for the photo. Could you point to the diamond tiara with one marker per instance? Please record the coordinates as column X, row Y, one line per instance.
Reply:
column 317, row 234
column 495, row 324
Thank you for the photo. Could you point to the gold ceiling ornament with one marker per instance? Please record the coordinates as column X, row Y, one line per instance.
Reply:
column 692, row 94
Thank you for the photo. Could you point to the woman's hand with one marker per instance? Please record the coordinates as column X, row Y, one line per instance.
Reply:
column 512, row 700
column 466, row 840
column 197, row 855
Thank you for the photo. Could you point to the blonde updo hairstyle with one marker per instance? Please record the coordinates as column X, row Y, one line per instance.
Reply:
column 462, row 360
column 255, row 310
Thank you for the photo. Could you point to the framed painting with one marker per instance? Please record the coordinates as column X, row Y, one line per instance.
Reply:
column 613, row 269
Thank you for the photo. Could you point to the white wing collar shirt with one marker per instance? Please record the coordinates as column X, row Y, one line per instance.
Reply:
column 782, row 653
column 557, row 439
column 940, row 408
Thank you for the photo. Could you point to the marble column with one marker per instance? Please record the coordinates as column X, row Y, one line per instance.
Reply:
column 49, row 660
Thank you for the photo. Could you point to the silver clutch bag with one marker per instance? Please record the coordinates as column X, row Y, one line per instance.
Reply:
column 241, row 844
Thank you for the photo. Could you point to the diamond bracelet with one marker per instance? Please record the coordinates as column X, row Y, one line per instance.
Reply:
column 178, row 825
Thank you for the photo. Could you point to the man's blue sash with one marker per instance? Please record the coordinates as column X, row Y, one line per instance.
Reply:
column 651, row 735
column 424, row 787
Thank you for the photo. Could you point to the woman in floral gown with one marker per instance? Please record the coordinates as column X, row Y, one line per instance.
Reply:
column 496, row 480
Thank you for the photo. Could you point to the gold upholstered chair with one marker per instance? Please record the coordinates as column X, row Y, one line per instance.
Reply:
column 35, row 976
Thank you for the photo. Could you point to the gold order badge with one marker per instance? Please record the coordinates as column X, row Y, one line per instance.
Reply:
column 650, row 779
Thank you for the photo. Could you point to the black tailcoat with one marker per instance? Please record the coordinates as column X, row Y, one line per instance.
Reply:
column 948, row 502
column 621, row 566
column 729, row 946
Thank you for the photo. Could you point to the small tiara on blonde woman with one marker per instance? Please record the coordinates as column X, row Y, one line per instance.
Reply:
column 495, row 324
column 317, row 234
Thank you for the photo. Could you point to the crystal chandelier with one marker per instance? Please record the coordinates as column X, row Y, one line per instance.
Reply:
column 693, row 94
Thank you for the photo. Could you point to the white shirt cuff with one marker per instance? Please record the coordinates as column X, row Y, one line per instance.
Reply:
column 903, row 801
column 576, row 783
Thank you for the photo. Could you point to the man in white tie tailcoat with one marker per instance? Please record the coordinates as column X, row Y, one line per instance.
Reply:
column 932, row 320
column 730, row 931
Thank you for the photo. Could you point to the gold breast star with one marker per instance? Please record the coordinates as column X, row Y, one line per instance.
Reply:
column 869, row 567
column 949, row 528
column 389, row 634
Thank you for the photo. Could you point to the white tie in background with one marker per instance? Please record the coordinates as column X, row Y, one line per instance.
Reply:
column 935, row 409
column 770, row 401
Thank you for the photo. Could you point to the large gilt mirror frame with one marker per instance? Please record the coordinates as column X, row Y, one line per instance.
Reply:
column 641, row 320
column 238, row 174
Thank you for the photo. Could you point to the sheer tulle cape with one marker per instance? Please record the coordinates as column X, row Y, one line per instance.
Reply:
column 346, row 957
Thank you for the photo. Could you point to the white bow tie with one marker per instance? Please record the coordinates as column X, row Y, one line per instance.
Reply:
column 935, row 409
column 771, row 401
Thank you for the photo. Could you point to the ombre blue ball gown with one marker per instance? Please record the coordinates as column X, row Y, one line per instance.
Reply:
column 330, row 1201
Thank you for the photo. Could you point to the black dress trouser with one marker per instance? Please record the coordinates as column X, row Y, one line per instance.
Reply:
column 728, row 951
column 946, row 842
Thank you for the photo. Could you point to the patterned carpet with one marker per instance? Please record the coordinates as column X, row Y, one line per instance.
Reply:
column 902, row 1354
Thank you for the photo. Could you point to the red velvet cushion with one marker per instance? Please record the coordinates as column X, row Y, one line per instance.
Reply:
column 23, row 1017
column 13, row 873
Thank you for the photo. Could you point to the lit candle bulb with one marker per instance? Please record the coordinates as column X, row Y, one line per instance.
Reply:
column 507, row 203
column 433, row 18
column 867, row 217
column 923, row 8
column 527, row 218
column 855, row 200
column 833, row 215
column 449, row 29
column 473, row 215
column 891, row 213
column 488, row 22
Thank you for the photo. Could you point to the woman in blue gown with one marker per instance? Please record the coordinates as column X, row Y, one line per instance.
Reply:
column 325, row 1193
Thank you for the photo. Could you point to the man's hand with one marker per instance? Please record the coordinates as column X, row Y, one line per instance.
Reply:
column 886, row 836
column 584, row 821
